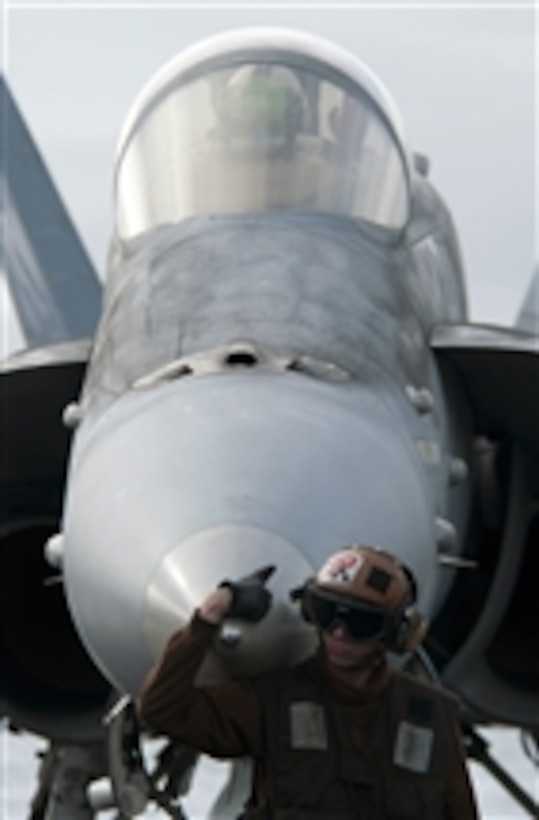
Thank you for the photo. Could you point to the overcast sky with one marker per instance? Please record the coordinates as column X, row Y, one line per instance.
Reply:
column 461, row 74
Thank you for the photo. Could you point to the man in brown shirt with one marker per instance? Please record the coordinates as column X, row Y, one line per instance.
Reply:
column 339, row 736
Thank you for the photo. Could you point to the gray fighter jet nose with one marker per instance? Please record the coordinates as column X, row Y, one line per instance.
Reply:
column 213, row 477
column 202, row 561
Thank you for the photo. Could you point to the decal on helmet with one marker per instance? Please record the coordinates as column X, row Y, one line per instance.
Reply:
column 342, row 567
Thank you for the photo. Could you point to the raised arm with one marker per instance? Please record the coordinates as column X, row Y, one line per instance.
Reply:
column 222, row 719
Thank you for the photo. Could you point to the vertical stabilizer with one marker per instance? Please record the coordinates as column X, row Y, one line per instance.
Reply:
column 49, row 290
column 528, row 317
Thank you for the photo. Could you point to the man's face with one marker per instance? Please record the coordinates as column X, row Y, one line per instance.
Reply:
column 344, row 652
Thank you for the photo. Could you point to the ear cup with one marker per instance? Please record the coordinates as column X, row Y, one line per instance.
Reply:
column 410, row 632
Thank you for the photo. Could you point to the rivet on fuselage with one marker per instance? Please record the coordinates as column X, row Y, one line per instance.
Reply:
column 446, row 535
column 54, row 550
column 421, row 398
column 72, row 415
column 458, row 471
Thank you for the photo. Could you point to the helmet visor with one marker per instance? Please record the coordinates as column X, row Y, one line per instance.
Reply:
column 361, row 621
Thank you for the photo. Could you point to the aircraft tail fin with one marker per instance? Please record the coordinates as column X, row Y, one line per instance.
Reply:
column 528, row 317
column 48, row 284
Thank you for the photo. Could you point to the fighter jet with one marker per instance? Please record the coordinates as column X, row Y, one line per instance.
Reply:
column 283, row 365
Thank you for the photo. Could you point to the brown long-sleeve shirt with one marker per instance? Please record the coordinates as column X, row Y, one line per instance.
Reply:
column 226, row 719
column 223, row 720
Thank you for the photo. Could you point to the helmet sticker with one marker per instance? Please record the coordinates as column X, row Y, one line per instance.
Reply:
column 341, row 567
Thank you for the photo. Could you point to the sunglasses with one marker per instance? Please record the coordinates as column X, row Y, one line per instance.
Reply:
column 361, row 621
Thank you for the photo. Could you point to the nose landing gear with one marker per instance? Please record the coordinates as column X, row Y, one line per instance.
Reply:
column 132, row 784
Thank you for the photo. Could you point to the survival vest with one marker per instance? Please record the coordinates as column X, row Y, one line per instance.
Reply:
column 329, row 761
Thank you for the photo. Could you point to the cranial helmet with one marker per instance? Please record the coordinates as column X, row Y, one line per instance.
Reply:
column 371, row 593
column 371, row 575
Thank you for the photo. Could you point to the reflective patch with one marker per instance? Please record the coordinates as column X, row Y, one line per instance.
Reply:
column 413, row 747
column 308, row 726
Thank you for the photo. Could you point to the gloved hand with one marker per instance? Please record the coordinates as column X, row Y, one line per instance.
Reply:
column 250, row 598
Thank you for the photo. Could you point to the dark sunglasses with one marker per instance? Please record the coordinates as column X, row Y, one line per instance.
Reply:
column 360, row 621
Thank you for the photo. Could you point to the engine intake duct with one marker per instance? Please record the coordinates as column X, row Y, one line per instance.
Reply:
column 48, row 685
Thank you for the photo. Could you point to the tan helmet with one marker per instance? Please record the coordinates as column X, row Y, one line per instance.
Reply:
column 372, row 575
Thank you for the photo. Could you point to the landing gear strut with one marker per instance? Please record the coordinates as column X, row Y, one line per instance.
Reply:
column 131, row 785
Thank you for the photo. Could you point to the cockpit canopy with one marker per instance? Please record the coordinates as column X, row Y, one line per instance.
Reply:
column 261, row 120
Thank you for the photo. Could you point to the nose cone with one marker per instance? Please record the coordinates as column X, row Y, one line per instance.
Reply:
column 205, row 478
column 200, row 563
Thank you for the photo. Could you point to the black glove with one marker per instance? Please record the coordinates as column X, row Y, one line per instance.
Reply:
column 250, row 598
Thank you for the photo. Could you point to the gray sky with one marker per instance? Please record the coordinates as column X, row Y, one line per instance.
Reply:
column 461, row 74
